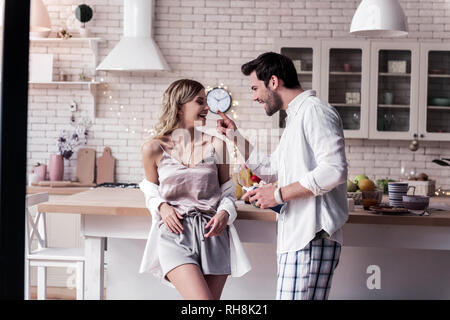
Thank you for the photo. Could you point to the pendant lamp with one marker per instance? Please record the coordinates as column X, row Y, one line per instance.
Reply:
column 40, row 25
column 379, row 18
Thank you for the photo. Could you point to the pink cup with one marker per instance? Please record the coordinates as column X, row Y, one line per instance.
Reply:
column 40, row 172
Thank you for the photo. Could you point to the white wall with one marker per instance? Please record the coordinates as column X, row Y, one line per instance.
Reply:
column 208, row 40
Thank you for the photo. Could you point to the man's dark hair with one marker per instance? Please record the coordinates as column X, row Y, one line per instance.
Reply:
column 273, row 64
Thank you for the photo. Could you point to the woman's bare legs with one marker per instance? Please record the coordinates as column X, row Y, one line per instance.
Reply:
column 190, row 282
column 216, row 284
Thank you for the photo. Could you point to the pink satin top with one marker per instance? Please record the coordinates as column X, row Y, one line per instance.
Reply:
column 187, row 189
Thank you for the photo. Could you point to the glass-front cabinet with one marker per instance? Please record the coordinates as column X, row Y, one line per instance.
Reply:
column 394, row 84
column 434, row 98
column 397, row 90
column 345, row 83
column 306, row 58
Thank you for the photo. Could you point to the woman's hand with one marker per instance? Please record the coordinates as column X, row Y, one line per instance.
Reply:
column 219, row 223
column 171, row 218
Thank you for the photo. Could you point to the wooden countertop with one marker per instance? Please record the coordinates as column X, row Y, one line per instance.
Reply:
column 56, row 190
column 130, row 202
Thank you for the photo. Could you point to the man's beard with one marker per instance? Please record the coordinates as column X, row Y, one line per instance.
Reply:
column 273, row 102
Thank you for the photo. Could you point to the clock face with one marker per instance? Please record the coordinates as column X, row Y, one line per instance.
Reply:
column 218, row 99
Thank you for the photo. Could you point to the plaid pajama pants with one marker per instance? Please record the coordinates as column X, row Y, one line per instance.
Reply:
column 306, row 274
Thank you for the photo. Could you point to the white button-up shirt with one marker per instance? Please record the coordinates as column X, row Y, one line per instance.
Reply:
column 311, row 151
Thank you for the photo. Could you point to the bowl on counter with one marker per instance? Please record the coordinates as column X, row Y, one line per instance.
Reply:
column 371, row 198
column 416, row 202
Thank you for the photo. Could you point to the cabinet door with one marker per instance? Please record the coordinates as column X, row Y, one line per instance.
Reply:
column 306, row 58
column 345, row 83
column 434, row 96
column 394, row 92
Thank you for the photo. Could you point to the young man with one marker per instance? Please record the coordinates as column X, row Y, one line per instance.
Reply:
column 310, row 166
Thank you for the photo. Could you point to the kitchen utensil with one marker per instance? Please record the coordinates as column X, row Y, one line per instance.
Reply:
column 347, row 67
column 388, row 97
column 86, row 165
column 371, row 198
column 413, row 202
column 441, row 162
column 105, row 167
column 440, row 102
column 436, row 71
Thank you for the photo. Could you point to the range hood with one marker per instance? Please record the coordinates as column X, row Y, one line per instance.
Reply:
column 136, row 51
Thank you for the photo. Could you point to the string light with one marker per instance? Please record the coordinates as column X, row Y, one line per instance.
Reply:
column 112, row 100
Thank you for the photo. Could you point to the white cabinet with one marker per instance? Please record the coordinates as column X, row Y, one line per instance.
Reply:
column 345, row 83
column 306, row 57
column 394, row 90
column 434, row 93
column 404, row 86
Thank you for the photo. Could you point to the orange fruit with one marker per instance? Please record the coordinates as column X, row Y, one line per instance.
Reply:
column 366, row 185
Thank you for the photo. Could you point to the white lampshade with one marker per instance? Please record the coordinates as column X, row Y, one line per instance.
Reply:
column 379, row 18
column 40, row 25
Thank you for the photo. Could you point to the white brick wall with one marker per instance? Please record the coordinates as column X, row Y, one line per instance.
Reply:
column 208, row 40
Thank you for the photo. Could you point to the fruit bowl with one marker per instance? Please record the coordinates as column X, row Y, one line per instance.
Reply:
column 371, row 198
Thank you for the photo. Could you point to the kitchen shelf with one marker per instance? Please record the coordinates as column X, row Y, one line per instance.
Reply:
column 394, row 106
column 93, row 44
column 345, row 104
column 439, row 108
column 387, row 74
column 66, row 82
column 439, row 75
column 343, row 73
column 305, row 72
column 92, row 85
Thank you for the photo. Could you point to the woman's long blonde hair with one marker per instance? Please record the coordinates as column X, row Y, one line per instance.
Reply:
column 177, row 94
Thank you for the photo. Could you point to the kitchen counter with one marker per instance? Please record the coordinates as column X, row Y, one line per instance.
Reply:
column 130, row 202
column 405, row 248
column 56, row 190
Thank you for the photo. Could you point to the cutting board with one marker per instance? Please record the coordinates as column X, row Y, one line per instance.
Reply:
column 86, row 165
column 105, row 167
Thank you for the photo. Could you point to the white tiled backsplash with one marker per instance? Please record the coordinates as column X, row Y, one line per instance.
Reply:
column 207, row 40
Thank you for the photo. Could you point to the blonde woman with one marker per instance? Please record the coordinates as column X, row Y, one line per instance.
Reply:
column 192, row 244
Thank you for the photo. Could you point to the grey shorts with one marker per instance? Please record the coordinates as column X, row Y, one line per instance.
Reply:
column 212, row 255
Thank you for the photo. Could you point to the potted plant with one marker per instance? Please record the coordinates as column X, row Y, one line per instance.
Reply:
column 84, row 14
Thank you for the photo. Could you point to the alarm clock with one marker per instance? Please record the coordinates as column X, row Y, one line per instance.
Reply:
column 218, row 99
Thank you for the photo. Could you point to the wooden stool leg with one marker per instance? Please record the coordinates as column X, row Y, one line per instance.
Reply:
column 80, row 280
column 27, row 280
column 41, row 283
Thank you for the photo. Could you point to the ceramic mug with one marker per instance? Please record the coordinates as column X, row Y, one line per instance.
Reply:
column 388, row 98
column 396, row 192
